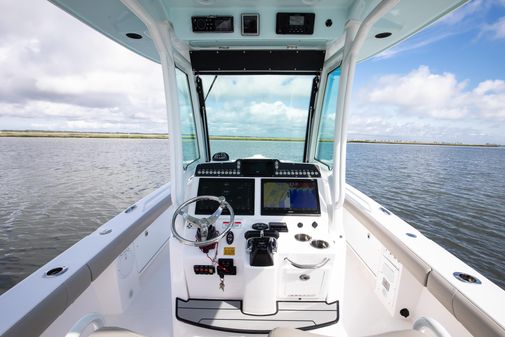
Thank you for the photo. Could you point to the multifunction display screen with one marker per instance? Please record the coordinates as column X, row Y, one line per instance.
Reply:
column 239, row 193
column 289, row 197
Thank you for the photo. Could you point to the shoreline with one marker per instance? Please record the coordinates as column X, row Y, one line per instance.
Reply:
column 119, row 135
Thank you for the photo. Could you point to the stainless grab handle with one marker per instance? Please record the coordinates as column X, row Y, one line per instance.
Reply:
column 308, row 266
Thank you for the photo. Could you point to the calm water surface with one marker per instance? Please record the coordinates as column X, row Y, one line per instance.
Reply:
column 55, row 191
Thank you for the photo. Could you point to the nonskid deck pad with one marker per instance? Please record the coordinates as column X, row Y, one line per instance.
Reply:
column 228, row 316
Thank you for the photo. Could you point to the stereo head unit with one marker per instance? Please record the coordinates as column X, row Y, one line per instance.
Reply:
column 212, row 24
column 295, row 23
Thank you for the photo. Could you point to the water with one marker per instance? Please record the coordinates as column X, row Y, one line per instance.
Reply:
column 55, row 191
column 453, row 195
column 239, row 149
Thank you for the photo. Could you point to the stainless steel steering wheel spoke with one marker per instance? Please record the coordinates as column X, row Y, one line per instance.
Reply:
column 191, row 219
column 217, row 213
column 202, row 223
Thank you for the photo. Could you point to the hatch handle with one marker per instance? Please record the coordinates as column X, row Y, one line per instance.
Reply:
column 308, row 266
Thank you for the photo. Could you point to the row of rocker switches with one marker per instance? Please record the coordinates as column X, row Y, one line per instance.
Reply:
column 204, row 269
column 212, row 172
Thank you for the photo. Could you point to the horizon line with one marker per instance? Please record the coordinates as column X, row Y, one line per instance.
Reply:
column 160, row 135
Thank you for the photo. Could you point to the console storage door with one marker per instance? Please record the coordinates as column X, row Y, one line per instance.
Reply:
column 302, row 283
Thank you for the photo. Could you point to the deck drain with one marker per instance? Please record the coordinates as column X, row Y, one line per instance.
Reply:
column 57, row 271
column 467, row 278
column 412, row 235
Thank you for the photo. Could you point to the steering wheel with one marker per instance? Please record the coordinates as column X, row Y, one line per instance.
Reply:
column 203, row 223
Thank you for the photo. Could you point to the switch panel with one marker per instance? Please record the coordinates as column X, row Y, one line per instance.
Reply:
column 204, row 269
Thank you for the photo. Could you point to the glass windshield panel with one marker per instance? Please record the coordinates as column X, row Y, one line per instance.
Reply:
column 326, row 137
column 190, row 151
column 264, row 115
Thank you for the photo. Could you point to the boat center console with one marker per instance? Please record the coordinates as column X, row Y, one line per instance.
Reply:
column 278, row 246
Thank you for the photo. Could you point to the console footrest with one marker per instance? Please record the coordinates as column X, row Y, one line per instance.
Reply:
column 228, row 316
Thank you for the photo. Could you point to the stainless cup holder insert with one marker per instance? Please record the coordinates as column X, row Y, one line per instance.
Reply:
column 303, row 237
column 319, row 244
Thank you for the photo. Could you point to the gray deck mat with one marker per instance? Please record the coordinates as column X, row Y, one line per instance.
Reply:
column 228, row 315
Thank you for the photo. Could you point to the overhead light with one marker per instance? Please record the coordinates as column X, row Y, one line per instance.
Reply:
column 134, row 36
column 382, row 35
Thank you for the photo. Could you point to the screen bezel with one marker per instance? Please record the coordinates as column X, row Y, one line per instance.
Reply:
column 249, row 211
column 283, row 211
column 245, row 17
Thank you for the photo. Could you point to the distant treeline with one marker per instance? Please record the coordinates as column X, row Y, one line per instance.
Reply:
column 75, row 134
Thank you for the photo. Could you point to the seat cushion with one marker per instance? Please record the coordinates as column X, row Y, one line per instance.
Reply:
column 290, row 332
column 401, row 333
column 112, row 331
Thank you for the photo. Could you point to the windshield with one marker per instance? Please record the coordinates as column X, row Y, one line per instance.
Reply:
column 264, row 115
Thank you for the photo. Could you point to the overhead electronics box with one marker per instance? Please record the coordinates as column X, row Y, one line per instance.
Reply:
column 212, row 24
column 295, row 23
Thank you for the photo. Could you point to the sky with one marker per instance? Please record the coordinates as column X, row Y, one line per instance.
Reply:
column 445, row 84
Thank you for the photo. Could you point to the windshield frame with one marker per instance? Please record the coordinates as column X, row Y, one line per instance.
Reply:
column 205, row 92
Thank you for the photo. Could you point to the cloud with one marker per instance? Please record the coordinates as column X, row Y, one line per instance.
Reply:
column 263, row 119
column 265, row 106
column 423, row 93
column 379, row 128
column 263, row 85
column 58, row 72
column 497, row 29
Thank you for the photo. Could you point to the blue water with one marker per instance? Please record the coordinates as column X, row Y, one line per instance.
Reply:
column 53, row 192
column 241, row 149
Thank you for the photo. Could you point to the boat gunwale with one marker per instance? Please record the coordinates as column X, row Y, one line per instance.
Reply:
column 85, row 261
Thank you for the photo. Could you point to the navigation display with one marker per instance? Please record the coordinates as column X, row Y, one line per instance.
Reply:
column 289, row 197
column 239, row 193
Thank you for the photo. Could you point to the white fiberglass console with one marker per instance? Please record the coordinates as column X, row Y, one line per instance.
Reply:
column 279, row 248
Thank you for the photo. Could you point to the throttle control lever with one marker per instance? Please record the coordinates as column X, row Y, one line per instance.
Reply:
column 261, row 246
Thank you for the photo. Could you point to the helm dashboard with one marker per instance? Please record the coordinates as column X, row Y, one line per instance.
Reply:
column 279, row 240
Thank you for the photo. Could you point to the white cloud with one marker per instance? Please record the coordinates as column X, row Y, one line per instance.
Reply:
column 265, row 85
column 377, row 128
column 428, row 106
column 278, row 111
column 57, row 68
column 423, row 93
column 260, row 119
column 497, row 29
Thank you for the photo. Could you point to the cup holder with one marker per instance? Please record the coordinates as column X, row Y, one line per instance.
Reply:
column 302, row 237
column 319, row 244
